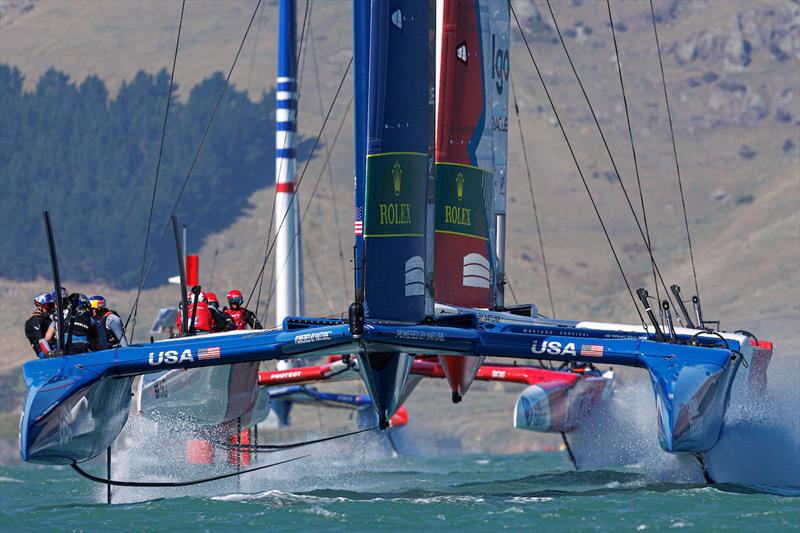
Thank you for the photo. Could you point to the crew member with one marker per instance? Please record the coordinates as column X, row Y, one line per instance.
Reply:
column 64, row 303
column 222, row 321
column 200, row 319
column 79, row 324
column 110, row 323
column 36, row 326
column 241, row 317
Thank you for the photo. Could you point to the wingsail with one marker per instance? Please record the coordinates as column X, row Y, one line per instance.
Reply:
column 470, row 163
column 399, row 136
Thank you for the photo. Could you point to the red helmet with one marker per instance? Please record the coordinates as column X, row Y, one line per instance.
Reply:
column 235, row 298
column 212, row 298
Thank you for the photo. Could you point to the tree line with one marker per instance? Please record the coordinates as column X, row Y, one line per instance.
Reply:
column 91, row 160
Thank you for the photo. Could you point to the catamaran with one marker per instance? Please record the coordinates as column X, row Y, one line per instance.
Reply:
column 429, row 173
column 222, row 398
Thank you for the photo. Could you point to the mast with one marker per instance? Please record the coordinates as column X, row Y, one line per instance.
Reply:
column 288, row 276
column 499, row 26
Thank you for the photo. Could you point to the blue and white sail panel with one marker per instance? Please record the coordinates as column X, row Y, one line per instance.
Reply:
column 499, row 27
column 398, row 136
column 288, row 249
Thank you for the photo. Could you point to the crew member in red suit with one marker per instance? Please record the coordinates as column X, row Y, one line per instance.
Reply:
column 200, row 318
column 241, row 317
column 222, row 321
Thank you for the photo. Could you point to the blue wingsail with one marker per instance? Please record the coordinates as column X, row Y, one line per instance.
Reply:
column 398, row 145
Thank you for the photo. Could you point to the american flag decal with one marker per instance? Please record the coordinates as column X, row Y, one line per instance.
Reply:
column 359, row 227
column 208, row 353
column 592, row 350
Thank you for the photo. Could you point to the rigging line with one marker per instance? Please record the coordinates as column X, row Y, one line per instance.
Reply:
column 158, row 161
column 533, row 199
column 260, row 285
column 290, row 445
column 266, row 248
column 674, row 149
column 117, row 483
column 577, row 164
column 196, row 156
column 313, row 262
column 255, row 52
column 305, row 168
column 605, row 144
column 213, row 267
column 330, row 171
column 316, row 187
column 511, row 289
column 633, row 153
column 299, row 68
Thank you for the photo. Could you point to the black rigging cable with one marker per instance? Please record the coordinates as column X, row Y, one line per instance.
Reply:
column 158, row 162
column 578, row 166
column 316, row 187
column 605, row 144
column 213, row 267
column 255, row 51
column 117, row 483
column 318, row 277
column 269, row 448
column 674, row 149
column 330, row 171
column 194, row 160
column 511, row 289
column 302, row 175
column 633, row 152
column 533, row 199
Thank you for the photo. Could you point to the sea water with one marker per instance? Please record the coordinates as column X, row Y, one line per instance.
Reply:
column 355, row 483
column 343, row 491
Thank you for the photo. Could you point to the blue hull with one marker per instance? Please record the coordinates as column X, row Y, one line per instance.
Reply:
column 77, row 405
column 82, row 425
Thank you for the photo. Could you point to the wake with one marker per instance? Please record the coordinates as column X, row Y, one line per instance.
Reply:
column 759, row 446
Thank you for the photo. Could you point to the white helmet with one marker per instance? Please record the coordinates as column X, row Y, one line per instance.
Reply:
column 201, row 297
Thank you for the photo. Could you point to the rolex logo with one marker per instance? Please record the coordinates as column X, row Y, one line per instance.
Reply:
column 460, row 186
column 397, row 175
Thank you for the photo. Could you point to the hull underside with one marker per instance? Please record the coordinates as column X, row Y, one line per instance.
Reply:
column 558, row 406
column 206, row 397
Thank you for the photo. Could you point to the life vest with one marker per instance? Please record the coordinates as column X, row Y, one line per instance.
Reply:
column 239, row 317
column 203, row 321
column 82, row 330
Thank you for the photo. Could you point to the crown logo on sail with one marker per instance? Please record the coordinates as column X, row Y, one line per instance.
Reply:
column 397, row 174
column 460, row 186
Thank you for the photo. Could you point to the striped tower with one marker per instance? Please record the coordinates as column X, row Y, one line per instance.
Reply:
column 288, row 266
